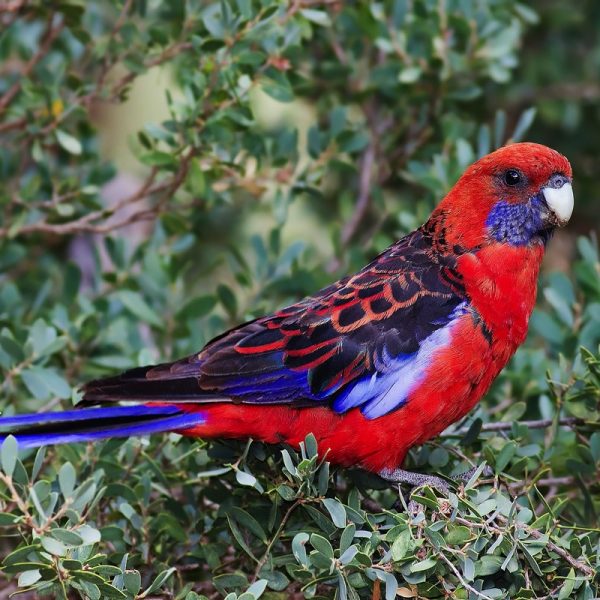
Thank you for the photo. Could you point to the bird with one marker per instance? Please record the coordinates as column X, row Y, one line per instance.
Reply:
column 373, row 364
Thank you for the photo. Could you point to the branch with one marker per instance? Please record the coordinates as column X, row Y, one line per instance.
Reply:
column 85, row 224
column 462, row 581
column 49, row 36
column 366, row 169
column 275, row 537
column 546, row 482
column 508, row 425
column 534, row 533
column 165, row 55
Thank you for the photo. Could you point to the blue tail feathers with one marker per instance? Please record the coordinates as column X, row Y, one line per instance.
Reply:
column 91, row 424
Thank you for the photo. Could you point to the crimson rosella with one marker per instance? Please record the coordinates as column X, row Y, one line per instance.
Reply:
column 378, row 361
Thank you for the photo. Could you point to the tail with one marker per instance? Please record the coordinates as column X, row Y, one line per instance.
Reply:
column 90, row 424
column 162, row 393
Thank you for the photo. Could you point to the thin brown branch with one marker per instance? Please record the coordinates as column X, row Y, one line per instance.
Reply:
column 86, row 223
column 534, row 533
column 164, row 56
column 545, row 482
column 456, row 572
column 46, row 41
column 508, row 425
column 15, row 124
column 364, row 188
column 275, row 537
column 16, row 498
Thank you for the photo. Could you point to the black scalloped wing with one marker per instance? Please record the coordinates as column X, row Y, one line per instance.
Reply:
column 350, row 330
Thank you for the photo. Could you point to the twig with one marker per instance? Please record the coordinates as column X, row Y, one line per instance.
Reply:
column 548, row 482
column 165, row 55
column 85, row 223
column 49, row 36
column 534, row 533
column 8, row 482
column 366, row 169
column 462, row 581
column 507, row 425
column 14, row 124
column 265, row 556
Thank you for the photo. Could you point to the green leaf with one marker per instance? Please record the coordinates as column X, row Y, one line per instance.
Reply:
column 249, row 522
column 109, row 591
column 488, row 565
column 53, row 546
column 321, row 544
column 8, row 455
column 567, row 588
column 159, row 581
column 227, row 299
column 458, row 535
column 310, row 444
column 299, row 549
column 43, row 383
column 257, row 588
column 66, row 479
column 402, row 544
column 279, row 90
column 27, row 578
column 505, row 456
column 595, row 446
column 237, row 534
column 244, row 478
column 319, row 17
column 71, row 144
column 409, row 75
column 439, row 457
column 66, row 536
column 336, row 510
column 137, row 306
column 132, row 580
column 523, row 124
column 156, row 158
column 8, row 519
column 197, row 307
column 423, row 565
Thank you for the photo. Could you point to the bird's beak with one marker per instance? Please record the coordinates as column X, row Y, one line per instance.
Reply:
column 558, row 194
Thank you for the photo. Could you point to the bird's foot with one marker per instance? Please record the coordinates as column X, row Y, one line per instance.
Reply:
column 414, row 480
column 466, row 475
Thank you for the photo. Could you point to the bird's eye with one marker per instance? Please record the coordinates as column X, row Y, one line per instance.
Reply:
column 512, row 177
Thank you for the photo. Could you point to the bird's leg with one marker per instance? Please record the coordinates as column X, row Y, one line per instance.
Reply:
column 418, row 479
column 414, row 479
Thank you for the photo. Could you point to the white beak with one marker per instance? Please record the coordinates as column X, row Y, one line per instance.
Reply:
column 560, row 201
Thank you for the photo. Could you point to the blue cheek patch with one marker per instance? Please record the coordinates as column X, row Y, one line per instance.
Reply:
column 518, row 224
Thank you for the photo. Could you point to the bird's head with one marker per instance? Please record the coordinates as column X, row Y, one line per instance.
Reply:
column 516, row 195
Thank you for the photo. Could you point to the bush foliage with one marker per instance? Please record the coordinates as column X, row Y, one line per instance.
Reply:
column 301, row 139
